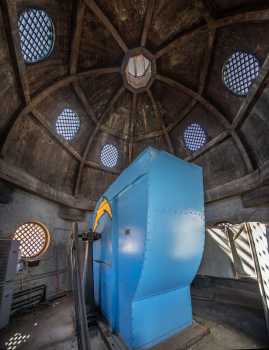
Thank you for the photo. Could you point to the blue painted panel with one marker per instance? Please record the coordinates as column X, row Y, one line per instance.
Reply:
column 161, row 316
column 133, row 203
column 157, row 240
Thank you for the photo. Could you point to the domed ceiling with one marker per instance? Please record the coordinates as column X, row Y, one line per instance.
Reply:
column 188, row 76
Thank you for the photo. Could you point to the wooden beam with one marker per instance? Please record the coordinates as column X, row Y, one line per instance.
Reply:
column 131, row 127
column 242, row 149
column 94, row 133
column 238, row 186
column 253, row 95
column 91, row 114
column 22, row 179
column 75, row 45
column 257, row 197
column 15, row 48
column 148, row 21
column 64, row 144
column 160, row 120
column 245, row 17
column 36, row 100
column 216, row 140
column 107, row 23
column 212, row 109
column 189, row 92
column 207, row 61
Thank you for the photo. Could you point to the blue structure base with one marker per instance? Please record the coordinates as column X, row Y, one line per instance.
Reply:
column 163, row 315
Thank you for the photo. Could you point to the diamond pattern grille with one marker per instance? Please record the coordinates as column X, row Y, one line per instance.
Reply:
column 194, row 137
column 37, row 35
column 109, row 156
column 240, row 71
column 67, row 124
column 33, row 238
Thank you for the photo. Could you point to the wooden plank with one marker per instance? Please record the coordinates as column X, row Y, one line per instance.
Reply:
column 77, row 36
column 131, row 127
column 15, row 48
column 148, row 21
column 160, row 120
column 107, row 23
column 91, row 139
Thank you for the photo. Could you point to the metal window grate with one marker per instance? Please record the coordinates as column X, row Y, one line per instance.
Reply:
column 67, row 124
column 109, row 156
column 194, row 137
column 37, row 35
column 239, row 72
column 17, row 340
column 34, row 239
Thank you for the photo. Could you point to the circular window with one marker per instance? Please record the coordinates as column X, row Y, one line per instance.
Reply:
column 109, row 156
column 239, row 72
column 194, row 137
column 34, row 239
column 67, row 124
column 37, row 35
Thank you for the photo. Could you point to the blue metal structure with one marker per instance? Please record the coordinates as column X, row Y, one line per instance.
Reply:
column 150, row 249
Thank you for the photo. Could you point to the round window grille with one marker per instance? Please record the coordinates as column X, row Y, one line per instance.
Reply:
column 109, row 156
column 194, row 137
column 34, row 239
column 67, row 124
column 239, row 72
column 37, row 35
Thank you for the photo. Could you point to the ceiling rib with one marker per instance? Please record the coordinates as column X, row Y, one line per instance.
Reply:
column 41, row 119
column 207, row 61
column 252, row 16
column 15, row 48
column 91, row 139
column 212, row 109
column 107, row 23
column 75, row 45
column 90, row 112
column 131, row 128
column 148, row 21
column 216, row 140
column 161, row 121
column 251, row 99
column 58, row 85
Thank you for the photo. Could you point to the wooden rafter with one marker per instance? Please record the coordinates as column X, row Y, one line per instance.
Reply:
column 212, row 109
column 148, row 21
column 41, row 119
column 252, row 16
column 91, row 114
column 161, row 121
column 15, row 48
column 131, row 128
column 111, row 103
column 216, row 140
column 107, row 23
column 75, row 45
column 207, row 60
column 191, row 93
column 36, row 100
column 253, row 95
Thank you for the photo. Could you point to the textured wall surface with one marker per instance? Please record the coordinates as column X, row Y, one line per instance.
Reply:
column 53, row 267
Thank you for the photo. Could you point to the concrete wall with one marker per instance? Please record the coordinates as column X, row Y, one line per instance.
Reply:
column 53, row 269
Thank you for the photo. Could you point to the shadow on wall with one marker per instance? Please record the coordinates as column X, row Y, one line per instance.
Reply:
column 217, row 260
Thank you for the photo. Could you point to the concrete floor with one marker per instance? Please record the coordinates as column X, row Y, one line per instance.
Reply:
column 51, row 327
column 45, row 327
